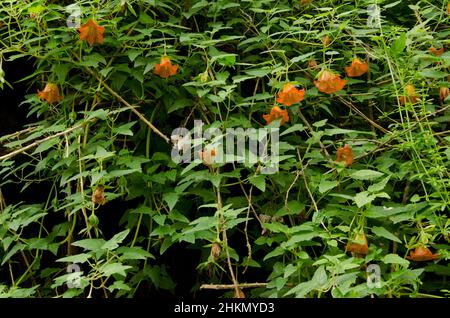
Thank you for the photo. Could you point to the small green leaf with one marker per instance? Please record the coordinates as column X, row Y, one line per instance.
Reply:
column 171, row 199
column 381, row 231
column 366, row 174
column 326, row 185
column 258, row 181
column 363, row 198
column 394, row 259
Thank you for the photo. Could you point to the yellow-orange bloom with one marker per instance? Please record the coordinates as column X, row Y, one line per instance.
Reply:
column 50, row 93
column 165, row 68
column 357, row 68
column 290, row 95
column 410, row 96
column 329, row 82
column 91, row 32
column 345, row 154
column 276, row 113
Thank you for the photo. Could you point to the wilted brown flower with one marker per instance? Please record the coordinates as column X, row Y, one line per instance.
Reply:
column 444, row 92
column 215, row 251
column 98, row 197
column 312, row 64
column 326, row 40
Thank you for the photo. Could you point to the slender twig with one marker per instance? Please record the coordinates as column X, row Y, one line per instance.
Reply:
column 247, row 241
column 38, row 142
column 131, row 107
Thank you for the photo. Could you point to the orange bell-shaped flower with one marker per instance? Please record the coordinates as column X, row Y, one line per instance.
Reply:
column 422, row 254
column 91, row 32
column 359, row 245
column 357, row 68
column 345, row 154
column 290, row 95
column 275, row 113
column 50, row 93
column 329, row 82
column 165, row 68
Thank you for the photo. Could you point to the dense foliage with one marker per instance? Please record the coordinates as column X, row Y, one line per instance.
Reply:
column 358, row 208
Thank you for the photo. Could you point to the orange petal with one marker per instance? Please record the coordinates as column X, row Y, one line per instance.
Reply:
column 91, row 32
column 50, row 93
column 329, row 82
column 290, row 95
column 357, row 68
column 165, row 68
column 345, row 154
column 422, row 253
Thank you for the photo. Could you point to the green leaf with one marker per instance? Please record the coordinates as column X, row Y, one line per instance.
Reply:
column 258, row 181
column 296, row 127
column 381, row 231
column 113, row 268
column 46, row 145
column 114, row 242
column 394, row 259
column 431, row 73
column 326, row 185
column 398, row 45
column 134, row 253
column 378, row 186
column 124, row 129
column 276, row 252
column 171, row 199
column 90, row 244
column 79, row 258
column 366, row 174
column 363, row 198
column 302, row 57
